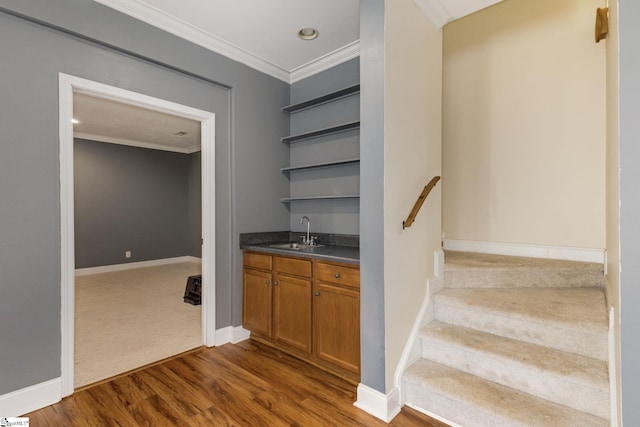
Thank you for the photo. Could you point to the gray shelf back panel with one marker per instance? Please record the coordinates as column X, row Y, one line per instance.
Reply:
column 293, row 199
column 345, row 127
column 330, row 97
column 321, row 165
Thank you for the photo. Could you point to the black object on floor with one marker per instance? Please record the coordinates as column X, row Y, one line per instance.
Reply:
column 193, row 290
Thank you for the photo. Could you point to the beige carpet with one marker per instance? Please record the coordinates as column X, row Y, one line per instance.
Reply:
column 127, row 319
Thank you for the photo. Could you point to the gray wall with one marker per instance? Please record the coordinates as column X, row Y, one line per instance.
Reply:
column 327, row 216
column 133, row 199
column 248, row 127
column 194, row 214
column 372, row 194
column 629, row 16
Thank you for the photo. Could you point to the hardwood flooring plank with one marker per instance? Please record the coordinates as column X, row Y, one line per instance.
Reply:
column 213, row 417
column 154, row 411
column 285, row 372
column 280, row 404
column 189, row 401
column 243, row 385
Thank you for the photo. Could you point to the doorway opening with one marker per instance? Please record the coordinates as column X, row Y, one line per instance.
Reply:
column 68, row 86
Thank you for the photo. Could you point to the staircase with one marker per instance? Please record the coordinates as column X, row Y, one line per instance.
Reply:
column 514, row 342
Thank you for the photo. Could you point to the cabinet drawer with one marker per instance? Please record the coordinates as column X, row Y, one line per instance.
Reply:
column 261, row 261
column 340, row 274
column 294, row 266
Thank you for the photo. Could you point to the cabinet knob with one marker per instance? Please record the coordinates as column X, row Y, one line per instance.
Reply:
column 275, row 283
column 316, row 293
column 337, row 275
column 266, row 281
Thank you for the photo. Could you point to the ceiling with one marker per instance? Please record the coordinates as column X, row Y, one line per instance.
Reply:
column 261, row 34
column 110, row 121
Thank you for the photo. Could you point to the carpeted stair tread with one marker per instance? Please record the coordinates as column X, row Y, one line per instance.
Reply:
column 474, row 402
column 576, row 381
column 579, row 308
column 469, row 269
column 571, row 319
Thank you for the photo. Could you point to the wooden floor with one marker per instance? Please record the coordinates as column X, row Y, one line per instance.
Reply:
column 246, row 384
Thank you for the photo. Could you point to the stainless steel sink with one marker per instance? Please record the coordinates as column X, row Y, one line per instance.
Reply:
column 295, row 246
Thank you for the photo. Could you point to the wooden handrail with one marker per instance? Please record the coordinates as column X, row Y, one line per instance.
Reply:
column 425, row 192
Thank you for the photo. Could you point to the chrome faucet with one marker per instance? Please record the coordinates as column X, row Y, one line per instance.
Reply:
column 307, row 241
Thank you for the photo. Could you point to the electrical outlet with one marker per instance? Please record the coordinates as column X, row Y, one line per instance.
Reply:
column 127, row 254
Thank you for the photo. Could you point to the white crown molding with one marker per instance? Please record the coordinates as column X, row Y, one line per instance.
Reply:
column 182, row 29
column 338, row 56
column 435, row 12
column 133, row 143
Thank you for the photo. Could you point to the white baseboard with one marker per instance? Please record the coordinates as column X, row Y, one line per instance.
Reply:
column 132, row 265
column 231, row 334
column 380, row 405
column 523, row 249
column 23, row 401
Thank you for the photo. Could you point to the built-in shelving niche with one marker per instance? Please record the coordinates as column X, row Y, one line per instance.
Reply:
column 331, row 130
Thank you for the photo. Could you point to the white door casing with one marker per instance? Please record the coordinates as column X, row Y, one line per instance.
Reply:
column 67, row 86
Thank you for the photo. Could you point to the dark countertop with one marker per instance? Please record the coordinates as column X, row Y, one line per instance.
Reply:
column 338, row 248
column 346, row 254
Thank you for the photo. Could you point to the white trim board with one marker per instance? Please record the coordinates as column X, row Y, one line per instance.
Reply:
column 412, row 350
column 139, row 144
column 380, row 405
column 66, row 87
column 526, row 250
column 28, row 399
column 231, row 334
column 131, row 265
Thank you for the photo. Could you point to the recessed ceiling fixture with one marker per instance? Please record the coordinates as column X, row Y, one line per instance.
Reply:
column 75, row 121
column 308, row 33
column 181, row 133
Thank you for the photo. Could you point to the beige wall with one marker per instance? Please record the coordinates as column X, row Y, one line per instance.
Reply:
column 412, row 140
column 524, row 125
column 613, row 192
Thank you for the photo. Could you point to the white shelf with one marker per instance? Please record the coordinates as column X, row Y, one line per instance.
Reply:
column 314, row 102
column 296, row 199
column 345, row 162
column 344, row 127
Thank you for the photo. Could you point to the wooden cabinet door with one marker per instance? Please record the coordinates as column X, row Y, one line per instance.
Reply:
column 256, row 308
column 337, row 325
column 292, row 311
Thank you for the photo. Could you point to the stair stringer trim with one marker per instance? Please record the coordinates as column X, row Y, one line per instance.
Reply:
column 614, row 401
column 412, row 350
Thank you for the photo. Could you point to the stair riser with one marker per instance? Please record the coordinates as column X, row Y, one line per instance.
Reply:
column 487, row 278
column 573, row 341
column 566, row 391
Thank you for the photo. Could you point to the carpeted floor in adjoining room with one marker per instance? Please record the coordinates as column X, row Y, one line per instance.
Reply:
column 127, row 319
